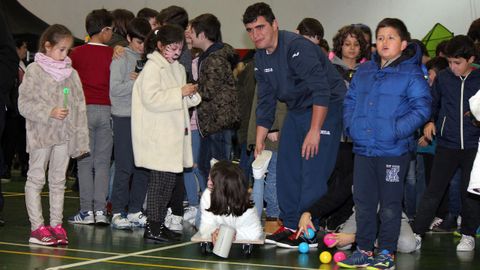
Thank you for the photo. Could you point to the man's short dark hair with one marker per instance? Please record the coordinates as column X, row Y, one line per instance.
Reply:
column 256, row 10
column 173, row 15
column 310, row 27
column 138, row 28
column 97, row 20
column 396, row 24
column 147, row 13
column 460, row 46
column 209, row 25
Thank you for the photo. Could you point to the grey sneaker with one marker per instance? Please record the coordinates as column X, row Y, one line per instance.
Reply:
column 137, row 219
column 120, row 222
column 82, row 218
column 467, row 243
column 101, row 218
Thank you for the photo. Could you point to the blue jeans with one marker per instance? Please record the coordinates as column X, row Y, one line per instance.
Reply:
column 410, row 192
column 191, row 176
column 270, row 188
column 216, row 145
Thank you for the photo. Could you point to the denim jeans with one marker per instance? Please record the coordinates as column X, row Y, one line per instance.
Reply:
column 266, row 189
column 410, row 192
column 191, row 176
column 217, row 145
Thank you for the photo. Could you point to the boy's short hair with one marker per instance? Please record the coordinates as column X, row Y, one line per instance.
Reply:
column 310, row 27
column 441, row 47
column 96, row 20
column 173, row 15
column 437, row 63
column 460, row 46
column 121, row 18
column 209, row 25
column 396, row 24
column 138, row 28
column 147, row 13
column 256, row 10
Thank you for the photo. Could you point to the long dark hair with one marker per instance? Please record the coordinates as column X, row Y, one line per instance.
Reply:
column 229, row 195
column 166, row 34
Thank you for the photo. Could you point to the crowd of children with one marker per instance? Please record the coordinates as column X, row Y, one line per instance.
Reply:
column 329, row 133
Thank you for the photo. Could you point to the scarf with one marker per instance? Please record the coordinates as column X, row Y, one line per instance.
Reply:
column 59, row 70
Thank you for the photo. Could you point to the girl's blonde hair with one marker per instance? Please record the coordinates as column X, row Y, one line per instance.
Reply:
column 53, row 34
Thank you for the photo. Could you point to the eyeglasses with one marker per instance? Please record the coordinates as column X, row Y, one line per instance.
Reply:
column 107, row 28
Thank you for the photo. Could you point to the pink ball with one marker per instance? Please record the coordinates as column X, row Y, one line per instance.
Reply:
column 329, row 239
column 339, row 256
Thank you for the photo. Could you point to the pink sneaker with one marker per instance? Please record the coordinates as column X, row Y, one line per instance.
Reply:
column 42, row 236
column 59, row 233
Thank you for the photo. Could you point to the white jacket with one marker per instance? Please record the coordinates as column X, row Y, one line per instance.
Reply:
column 474, row 185
column 161, row 136
column 247, row 226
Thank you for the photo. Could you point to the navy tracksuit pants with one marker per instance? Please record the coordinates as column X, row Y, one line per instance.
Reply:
column 378, row 184
column 301, row 182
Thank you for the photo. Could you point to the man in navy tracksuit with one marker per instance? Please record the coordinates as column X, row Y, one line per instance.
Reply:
column 457, row 139
column 293, row 70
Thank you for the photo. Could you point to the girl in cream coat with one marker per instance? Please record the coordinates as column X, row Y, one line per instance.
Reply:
column 161, row 125
column 474, row 186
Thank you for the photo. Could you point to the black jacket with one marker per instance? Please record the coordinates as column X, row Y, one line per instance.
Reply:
column 8, row 61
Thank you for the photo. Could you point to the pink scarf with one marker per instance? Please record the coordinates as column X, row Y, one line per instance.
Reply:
column 59, row 70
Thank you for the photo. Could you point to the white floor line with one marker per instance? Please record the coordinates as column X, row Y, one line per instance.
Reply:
column 118, row 256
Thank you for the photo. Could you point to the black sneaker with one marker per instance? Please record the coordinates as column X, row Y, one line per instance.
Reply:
column 292, row 242
column 158, row 233
column 280, row 234
column 385, row 261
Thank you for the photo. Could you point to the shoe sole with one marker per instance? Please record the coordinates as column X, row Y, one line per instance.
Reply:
column 282, row 245
column 38, row 242
column 81, row 222
column 351, row 266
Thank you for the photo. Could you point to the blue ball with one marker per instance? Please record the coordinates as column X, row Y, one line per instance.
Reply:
column 303, row 248
column 309, row 234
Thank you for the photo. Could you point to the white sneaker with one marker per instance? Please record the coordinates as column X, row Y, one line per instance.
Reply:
column 212, row 162
column 435, row 223
column 467, row 243
column 418, row 241
column 260, row 164
column 189, row 214
column 101, row 218
column 176, row 223
column 137, row 219
column 168, row 218
column 120, row 222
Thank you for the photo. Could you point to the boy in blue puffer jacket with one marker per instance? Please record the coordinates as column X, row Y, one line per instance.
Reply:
column 457, row 139
column 388, row 99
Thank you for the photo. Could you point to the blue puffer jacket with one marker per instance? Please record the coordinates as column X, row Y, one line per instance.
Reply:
column 454, row 129
column 384, row 106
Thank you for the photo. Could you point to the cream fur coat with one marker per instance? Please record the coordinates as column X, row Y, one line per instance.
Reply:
column 161, row 135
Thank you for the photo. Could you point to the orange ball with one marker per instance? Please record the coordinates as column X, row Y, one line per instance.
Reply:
column 325, row 257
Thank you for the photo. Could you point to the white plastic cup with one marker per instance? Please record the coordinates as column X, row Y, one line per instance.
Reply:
column 226, row 234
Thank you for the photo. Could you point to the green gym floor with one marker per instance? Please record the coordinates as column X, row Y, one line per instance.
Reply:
column 94, row 247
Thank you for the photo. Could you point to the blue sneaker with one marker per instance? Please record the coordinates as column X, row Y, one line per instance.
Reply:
column 359, row 258
column 82, row 218
column 384, row 260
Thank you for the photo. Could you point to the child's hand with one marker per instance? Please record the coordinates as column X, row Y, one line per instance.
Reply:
column 422, row 141
column 429, row 131
column 133, row 76
column 215, row 236
column 118, row 51
column 305, row 223
column 343, row 239
column 272, row 136
column 59, row 113
column 189, row 89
